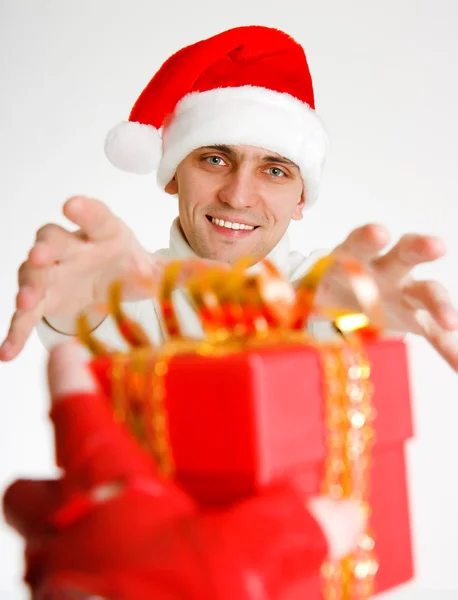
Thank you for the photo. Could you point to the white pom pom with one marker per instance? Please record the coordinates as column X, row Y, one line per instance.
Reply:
column 134, row 147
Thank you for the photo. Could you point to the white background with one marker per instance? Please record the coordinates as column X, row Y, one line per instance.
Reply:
column 385, row 75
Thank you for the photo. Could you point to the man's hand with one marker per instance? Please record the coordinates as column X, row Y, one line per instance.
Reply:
column 410, row 306
column 67, row 272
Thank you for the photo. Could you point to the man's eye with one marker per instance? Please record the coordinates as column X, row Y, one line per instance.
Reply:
column 276, row 172
column 215, row 160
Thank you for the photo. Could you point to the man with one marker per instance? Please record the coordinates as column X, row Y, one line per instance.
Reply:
column 243, row 149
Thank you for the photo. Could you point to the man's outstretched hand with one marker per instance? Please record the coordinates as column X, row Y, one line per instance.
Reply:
column 410, row 305
column 69, row 271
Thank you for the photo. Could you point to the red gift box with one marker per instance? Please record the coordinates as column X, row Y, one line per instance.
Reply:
column 243, row 420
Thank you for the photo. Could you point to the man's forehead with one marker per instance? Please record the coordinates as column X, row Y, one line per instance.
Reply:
column 250, row 152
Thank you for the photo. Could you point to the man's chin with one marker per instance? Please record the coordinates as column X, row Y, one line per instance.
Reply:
column 250, row 255
column 231, row 249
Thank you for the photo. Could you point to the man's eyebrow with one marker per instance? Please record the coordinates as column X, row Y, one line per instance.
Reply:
column 281, row 160
column 219, row 148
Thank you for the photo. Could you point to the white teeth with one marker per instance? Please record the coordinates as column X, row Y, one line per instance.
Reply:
column 229, row 225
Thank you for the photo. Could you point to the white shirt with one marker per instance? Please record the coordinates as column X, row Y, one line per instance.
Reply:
column 291, row 264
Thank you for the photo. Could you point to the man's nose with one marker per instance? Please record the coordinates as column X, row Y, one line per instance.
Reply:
column 239, row 190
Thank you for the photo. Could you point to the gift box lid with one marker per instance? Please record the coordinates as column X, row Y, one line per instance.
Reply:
column 259, row 407
column 247, row 406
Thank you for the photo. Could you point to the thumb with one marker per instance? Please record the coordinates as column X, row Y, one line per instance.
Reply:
column 342, row 522
column 68, row 372
column 95, row 219
column 365, row 242
column 90, row 446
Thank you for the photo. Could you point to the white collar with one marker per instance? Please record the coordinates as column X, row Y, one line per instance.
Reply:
column 179, row 248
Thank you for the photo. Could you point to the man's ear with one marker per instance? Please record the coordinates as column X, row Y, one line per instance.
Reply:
column 172, row 187
column 299, row 209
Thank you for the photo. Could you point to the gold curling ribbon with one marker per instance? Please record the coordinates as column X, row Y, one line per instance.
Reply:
column 239, row 312
column 349, row 437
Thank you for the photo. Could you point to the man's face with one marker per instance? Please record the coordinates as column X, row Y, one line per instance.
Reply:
column 236, row 201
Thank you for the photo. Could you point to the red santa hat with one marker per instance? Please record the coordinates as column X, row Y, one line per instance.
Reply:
column 249, row 85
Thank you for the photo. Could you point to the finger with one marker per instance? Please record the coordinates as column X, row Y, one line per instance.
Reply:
column 365, row 243
column 39, row 256
column 410, row 251
column 22, row 325
column 68, row 372
column 53, row 243
column 28, row 275
column 444, row 342
column 28, row 297
column 51, row 231
column 433, row 297
column 94, row 217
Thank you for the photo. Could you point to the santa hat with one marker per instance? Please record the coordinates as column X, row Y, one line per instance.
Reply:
column 249, row 85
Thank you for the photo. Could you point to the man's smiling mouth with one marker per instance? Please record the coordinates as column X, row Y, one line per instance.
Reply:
column 234, row 225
